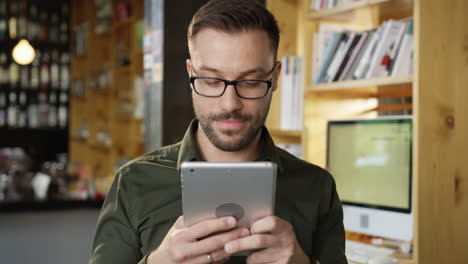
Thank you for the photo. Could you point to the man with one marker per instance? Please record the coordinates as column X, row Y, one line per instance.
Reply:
column 141, row 218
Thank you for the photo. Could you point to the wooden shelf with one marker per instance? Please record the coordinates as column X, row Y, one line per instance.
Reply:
column 128, row 21
column 361, row 83
column 286, row 136
column 285, row 133
column 329, row 12
column 79, row 140
column 394, row 107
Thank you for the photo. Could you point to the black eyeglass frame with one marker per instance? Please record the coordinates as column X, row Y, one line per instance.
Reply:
column 234, row 83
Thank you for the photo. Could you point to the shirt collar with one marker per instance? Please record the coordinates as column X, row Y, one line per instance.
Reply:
column 188, row 150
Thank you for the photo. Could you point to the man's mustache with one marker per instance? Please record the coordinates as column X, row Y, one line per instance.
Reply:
column 231, row 115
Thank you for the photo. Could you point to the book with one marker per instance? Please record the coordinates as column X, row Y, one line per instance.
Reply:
column 364, row 63
column 328, row 56
column 403, row 64
column 286, row 94
column 315, row 4
column 339, row 56
column 325, row 4
column 353, row 56
column 321, row 42
column 386, row 49
column 355, row 63
column 316, row 55
column 298, row 94
column 292, row 94
column 352, row 44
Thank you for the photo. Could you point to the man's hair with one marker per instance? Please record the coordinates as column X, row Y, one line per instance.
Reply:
column 235, row 16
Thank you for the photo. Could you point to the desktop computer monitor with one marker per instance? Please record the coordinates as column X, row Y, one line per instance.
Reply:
column 370, row 160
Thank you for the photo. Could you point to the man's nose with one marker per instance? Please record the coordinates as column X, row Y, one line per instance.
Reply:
column 230, row 101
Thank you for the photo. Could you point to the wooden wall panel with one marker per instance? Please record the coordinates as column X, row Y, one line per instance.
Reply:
column 441, row 127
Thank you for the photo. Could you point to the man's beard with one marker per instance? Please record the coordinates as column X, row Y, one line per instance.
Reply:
column 249, row 134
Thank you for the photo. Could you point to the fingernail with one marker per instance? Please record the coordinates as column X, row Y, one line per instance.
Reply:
column 231, row 221
column 228, row 248
column 245, row 232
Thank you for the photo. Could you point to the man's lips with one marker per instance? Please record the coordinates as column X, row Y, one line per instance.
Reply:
column 230, row 124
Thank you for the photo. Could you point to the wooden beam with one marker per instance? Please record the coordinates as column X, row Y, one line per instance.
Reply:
column 441, row 129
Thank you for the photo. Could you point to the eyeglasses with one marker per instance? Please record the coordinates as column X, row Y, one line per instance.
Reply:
column 246, row 89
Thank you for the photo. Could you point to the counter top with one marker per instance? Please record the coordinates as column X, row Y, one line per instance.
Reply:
column 53, row 205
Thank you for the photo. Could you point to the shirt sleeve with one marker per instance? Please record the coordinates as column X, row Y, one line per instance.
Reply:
column 115, row 240
column 329, row 239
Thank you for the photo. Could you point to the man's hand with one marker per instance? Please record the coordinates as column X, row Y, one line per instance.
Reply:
column 192, row 244
column 276, row 240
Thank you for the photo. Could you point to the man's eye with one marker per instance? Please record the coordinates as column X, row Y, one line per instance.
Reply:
column 250, row 84
column 213, row 82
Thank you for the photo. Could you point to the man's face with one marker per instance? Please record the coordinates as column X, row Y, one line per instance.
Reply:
column 230, row 122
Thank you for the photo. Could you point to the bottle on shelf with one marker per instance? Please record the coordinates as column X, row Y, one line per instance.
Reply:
column 33, row 113
column 65, row 71
column 54, row 31
column 43, row 109
column 12, row 21
column 53, row 116
column 35, row 71
column 44, row 26
column 63, row 110
column 54, row 70
column 25, row 74
column 3, row 20
column 14, row 74
column 22, row 20
column 45, row 71
column 12, row 112
column 22, row 110
column 4, row 74
column 3, row 108
column 64, row 17
column 33, row 23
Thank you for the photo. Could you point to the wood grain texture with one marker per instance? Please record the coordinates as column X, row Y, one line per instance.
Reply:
column 286, row 13
column 441, row 128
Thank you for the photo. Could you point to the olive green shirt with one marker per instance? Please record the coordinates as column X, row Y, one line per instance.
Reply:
column 145, row 201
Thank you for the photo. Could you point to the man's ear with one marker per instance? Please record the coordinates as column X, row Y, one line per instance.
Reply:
column 188, row 63
column 277, row 73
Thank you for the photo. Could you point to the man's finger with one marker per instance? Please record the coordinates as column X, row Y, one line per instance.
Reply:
column 209, row 227
column 179, row 223
column 217, row 257
column 217, row 242
column 269, row 224
column 264, row 256
column 258, row 241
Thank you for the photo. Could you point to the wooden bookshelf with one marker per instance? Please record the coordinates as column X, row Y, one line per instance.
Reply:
column 118, row 25
column 361, row 83
column 285, row 133
column 349, row 7
column 355, row 9
column 437, row 89
column 286, row 136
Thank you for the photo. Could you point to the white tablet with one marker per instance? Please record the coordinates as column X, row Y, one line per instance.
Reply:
column 245, row 190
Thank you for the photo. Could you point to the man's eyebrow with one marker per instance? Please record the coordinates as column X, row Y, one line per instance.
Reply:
column 241, row 74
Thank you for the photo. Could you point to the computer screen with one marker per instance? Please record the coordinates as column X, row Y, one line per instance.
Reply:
column 370, row 160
